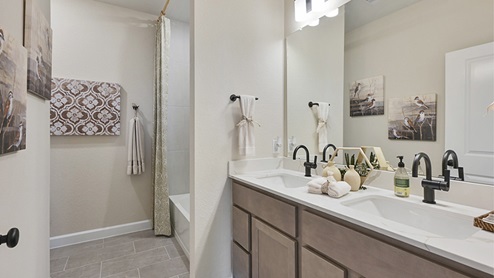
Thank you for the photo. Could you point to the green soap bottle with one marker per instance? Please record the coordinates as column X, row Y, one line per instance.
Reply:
column 402, row 181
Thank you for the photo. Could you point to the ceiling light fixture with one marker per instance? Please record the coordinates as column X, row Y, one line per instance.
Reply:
column 308, row 12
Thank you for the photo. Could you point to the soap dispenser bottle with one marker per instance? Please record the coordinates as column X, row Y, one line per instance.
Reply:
column 402, row 181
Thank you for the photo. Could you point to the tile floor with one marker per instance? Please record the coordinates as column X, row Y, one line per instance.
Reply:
column 136, row 255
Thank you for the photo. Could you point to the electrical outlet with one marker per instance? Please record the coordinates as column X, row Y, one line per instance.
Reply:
column 277, row 145
column 292, row 143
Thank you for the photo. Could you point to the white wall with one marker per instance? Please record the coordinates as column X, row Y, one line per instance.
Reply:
column 178, row 109
column 25, row 185
column 90, row 188
column 237, row 47
column 408, row 47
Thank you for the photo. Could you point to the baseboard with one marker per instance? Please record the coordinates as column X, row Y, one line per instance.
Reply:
column 181, row 243
column 80, row 237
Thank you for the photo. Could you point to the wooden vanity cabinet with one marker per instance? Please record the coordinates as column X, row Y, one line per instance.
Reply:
column 365, row 255
column 264, row 235
column 274, row 237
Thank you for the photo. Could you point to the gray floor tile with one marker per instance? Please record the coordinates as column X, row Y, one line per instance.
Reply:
column 174, row 250
column 151, row 243
column 57, row 265
column 121, row 257
column 75, row 249
column 128, row 238
column 133, row 261
column 164, row 269
column 100, row 255
column 88, row 271
column 129, row 274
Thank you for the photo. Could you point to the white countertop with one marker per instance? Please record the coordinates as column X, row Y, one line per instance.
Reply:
column 476, row 251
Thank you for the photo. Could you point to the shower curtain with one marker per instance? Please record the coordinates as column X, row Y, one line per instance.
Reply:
column 160, row 182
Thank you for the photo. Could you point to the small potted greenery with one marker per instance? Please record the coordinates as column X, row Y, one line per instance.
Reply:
column 361, row 168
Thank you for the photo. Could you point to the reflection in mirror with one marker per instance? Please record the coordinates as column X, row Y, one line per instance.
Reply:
column 407, row 45
column 315, row 74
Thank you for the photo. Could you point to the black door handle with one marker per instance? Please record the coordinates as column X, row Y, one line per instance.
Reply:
column 11, row 238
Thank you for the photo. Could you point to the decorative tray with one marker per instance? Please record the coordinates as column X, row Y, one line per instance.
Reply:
column 485, row 221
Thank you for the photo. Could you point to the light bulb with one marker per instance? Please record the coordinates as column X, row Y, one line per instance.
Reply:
column 333, row 13
column 314, row 22
column 301, row 14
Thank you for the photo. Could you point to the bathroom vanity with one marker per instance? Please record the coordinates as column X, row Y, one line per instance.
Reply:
column 280, row 230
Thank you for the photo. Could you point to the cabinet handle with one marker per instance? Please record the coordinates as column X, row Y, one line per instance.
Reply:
column 11, row 238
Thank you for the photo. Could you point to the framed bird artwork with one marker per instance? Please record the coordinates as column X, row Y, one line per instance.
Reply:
column 367, row 97
column 413, row 118
column 13, row 94
column 38, row 41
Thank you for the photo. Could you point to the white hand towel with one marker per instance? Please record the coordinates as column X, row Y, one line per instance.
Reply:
column 314, row 190
column 316, row 185
column 338, row 189
column 322, row 126
column 135, row 149
column 246, row 139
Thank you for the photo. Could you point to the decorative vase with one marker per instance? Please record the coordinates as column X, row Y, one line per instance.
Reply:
column 352, row 178
column 331, row 167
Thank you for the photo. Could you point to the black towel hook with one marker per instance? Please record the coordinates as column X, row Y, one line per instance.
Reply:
column 135, row 107
column 234, row 97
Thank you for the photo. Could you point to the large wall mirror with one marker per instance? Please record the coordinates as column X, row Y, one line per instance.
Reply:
column 404, row 41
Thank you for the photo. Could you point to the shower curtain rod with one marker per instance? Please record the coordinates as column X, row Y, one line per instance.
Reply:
column 163, row 11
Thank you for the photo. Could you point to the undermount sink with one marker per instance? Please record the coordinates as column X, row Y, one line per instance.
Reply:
column 420, row 216
column 285, row 180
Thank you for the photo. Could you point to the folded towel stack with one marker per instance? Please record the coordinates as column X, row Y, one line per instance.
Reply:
column 330, row 186
column 316, row 185
column 338, row 189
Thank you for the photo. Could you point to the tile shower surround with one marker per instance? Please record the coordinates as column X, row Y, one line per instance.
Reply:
column 135, row 255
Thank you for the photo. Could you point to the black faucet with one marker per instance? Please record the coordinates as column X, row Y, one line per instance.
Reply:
column 428, row 184
column 308, row 165
column 452, row 162
column 324, row 152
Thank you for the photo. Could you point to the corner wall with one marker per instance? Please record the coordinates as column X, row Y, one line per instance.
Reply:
column 238, row 51
column 25, row 182
column 408, row 47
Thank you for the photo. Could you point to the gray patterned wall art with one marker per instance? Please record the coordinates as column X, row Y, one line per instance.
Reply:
column 13, row 94
column 80, row 107
column 38, row 41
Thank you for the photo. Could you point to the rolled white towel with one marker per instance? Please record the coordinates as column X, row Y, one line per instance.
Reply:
column 316, row 185
column 314, row 190
column 338, row 189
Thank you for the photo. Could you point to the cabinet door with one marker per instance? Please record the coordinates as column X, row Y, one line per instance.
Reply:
column 314, row 266
column 273, row 254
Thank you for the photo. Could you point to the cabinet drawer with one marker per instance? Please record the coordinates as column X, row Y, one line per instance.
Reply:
column 241, row 228
column 358, row 251
column 275, row 212
column 314, row 266
column 240, row 262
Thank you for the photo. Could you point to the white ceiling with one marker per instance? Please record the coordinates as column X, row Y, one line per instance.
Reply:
column 177, row 9
column 357, row 12
column 361, row 12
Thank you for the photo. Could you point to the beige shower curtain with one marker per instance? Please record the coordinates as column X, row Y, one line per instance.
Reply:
column 161, row 202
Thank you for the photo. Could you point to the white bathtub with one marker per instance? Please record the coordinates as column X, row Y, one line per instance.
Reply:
column 180, row 217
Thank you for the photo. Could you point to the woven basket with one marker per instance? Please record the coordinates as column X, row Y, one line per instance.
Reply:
column 477, row 222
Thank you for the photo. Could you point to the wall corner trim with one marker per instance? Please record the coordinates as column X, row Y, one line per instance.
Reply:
column 89, row 235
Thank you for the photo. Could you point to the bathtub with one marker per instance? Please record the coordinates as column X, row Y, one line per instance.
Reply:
column 180, row 218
